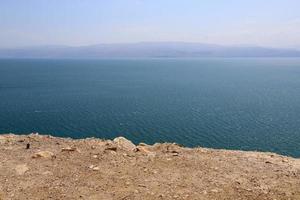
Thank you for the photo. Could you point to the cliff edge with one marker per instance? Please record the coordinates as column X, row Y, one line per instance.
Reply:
column 45, row 167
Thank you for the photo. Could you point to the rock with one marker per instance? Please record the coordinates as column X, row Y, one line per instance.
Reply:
column 21, row 169
column 111, row 148
column 69, row 149
column 124, row 144
column 142, row 149
column 175, row 154
column 146, row 151
column 94, row 168
column 141, row 185
column 142, row 144
column 43, row 154
column 214, row 190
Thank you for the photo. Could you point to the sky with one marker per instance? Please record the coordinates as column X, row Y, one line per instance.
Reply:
column 272, row 23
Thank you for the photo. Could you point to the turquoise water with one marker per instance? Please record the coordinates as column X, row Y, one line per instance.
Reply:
column 250, row 104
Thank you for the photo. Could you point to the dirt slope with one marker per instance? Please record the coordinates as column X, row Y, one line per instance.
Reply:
column 57, row 168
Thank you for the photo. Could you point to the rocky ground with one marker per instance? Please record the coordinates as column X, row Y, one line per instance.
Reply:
column 44, row 167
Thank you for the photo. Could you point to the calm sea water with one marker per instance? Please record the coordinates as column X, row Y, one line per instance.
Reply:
column 249, row 104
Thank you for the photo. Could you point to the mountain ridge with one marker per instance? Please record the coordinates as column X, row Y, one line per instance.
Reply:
column 146, row 49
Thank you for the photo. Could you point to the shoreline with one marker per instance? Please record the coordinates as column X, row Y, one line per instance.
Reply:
column 42, row 167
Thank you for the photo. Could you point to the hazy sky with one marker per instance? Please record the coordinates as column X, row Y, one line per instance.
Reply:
column 82, row 22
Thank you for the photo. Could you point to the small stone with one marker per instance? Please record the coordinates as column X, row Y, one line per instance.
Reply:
column 141, row 185
column 174, row 152
column 94, row 168
column 95, row 156
column 111, row 148
column 214, row 191
column 69, row 149
column 43, row 154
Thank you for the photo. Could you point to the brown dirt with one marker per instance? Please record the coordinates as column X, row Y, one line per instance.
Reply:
column 57, row 168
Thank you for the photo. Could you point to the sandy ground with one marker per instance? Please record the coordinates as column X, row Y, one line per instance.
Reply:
column 57, row 168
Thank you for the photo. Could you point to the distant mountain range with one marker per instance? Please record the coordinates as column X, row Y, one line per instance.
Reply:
column 147, row 49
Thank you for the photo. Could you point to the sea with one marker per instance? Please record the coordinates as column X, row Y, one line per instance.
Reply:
column 224, row 103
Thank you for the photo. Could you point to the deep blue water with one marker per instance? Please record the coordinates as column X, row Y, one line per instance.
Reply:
column 250, row 104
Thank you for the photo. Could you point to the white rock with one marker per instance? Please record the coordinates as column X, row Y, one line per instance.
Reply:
column 94, row 168
column 124, row 144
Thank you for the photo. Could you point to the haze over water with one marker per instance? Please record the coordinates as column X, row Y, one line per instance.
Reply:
column 249, row 104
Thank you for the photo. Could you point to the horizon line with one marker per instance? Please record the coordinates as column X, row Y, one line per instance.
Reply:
column 148, row 42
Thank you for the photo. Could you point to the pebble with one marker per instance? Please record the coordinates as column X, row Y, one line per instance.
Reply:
column 111, row 148
column 94, row 168
column 44, row 154
column 69, row 149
